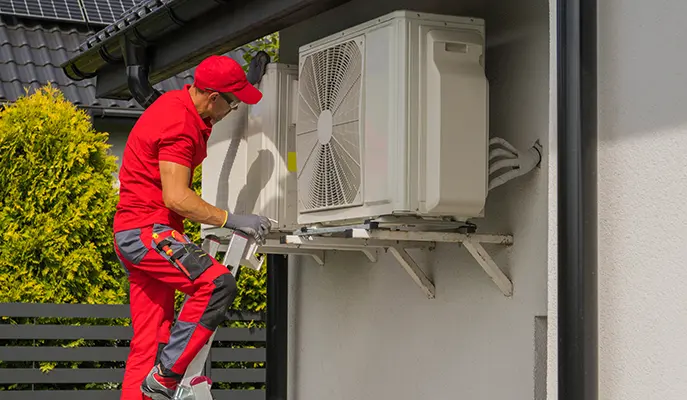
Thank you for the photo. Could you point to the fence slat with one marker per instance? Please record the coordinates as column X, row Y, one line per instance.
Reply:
column 237, row 375
column 103, row 375
column 26, row 353
column 241, row 335
column 228, row 354
column 40, row 310
column 101, row 332
column 63, row 354
column 61, row 394
column 239, row 394
column 61, row 375
column 66, row 332
column 114, row 395
column 47, row 310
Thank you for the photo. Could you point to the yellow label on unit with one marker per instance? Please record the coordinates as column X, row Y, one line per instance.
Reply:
column 291, row 165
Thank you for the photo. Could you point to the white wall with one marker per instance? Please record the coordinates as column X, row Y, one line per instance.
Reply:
column 117, row 139
column 642, row 190
column 552, row 242
column 365, row 331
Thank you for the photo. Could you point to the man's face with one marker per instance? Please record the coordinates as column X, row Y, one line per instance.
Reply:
column 221, row 104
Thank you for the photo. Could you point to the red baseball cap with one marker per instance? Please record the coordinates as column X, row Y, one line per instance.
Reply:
column 223, row 74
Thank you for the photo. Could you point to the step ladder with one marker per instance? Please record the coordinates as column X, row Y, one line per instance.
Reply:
column 239, row 251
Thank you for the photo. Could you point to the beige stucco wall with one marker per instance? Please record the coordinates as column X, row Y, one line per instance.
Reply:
column 642, row 187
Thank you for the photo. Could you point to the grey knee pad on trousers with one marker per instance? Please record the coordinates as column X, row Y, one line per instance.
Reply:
column 222, row 297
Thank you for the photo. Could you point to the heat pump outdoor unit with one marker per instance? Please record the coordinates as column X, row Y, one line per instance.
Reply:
column 251, row 164
column 392, row 120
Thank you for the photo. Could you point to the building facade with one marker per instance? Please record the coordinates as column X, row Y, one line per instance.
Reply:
column 363, row 330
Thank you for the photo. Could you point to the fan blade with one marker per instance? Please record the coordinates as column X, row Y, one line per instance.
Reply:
column 321, row 77
column 335, row 174
column 347, row 137
column 306, row 145
column 348, row 173
column 349, row 76
column 348, row 109
column 307, row 118
column 309, row 80
column 308, row 175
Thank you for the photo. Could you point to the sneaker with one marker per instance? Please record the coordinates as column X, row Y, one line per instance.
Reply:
column 159, row 387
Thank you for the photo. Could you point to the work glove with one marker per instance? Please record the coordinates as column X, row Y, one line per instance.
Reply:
column 251, row 224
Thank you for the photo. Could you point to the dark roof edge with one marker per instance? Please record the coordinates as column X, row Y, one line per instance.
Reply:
column 160, row 16
column 176, row 51
column 101, row 112
column 104, row 112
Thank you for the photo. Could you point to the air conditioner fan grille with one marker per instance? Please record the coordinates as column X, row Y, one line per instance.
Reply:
column 328, row 128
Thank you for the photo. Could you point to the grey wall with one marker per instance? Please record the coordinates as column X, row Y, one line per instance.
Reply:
column 118, row 131
column 364, row 331
column 642, row 190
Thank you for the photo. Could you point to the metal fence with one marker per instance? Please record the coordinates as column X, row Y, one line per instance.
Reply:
column 105, row 356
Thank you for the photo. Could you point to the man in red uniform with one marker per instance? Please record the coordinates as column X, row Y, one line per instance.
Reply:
column 165, row 146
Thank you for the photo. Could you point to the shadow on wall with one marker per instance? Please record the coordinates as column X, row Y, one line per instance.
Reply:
column 642, row 78
column 238, row 129
column 228, row 164
column 255, row 181
column 248, row 161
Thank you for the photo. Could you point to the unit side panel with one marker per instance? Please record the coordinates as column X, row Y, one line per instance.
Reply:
column 246, row 168
column 287, row 184
column 226, row 165
column 412, row 103
column 381, row 125
column 455, row 129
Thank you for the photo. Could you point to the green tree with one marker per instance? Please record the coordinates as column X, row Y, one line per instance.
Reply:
column 57, row 202
column 269, row 44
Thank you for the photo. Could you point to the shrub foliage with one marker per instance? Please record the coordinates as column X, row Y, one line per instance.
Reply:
column 57, row 201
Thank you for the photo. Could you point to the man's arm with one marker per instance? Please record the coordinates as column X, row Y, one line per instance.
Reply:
column 179, row 198
column 175, row 154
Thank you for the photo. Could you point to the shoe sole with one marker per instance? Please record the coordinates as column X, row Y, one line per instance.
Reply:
column 155, row 395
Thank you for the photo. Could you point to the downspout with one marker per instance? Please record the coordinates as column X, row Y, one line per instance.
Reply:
column 277, row 327
column 577, row 200
column 137, row 66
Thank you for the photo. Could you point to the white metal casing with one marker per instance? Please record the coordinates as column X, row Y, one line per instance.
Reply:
column 260, row 141
column 423, row 118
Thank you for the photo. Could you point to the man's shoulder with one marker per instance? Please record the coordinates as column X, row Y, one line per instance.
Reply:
column 167, row 113
column 169, row 103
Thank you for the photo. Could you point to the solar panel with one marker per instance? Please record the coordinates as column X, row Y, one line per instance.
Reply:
column 65, row 10
column 106, row 11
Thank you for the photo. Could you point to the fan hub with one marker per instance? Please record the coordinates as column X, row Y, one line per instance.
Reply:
column 325, row 126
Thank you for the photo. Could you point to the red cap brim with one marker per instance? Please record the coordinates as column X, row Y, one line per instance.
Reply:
column 249, row 94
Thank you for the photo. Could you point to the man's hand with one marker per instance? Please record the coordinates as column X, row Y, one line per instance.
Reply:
column 254, row 225
column 179, row 198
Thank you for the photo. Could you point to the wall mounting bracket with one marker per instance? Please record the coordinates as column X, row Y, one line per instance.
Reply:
column 369, row 235
column 370, row 247
column 272, row 245
column 369, row 238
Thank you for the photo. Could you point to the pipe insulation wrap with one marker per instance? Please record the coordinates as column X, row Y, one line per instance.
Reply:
column 519, row 163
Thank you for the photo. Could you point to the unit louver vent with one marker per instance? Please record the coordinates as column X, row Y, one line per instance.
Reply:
column 328, row 136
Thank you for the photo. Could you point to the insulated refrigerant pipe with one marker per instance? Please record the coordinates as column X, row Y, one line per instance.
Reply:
column 577, row 200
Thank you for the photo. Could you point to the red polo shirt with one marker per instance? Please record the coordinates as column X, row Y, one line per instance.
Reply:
column 169, row 130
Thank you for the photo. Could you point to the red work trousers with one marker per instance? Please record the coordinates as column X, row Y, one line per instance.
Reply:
column 156, row 270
